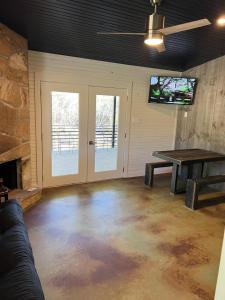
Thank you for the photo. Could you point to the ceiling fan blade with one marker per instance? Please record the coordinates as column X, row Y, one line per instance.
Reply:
column 161, row 48
column 121, row 33
column 185, row 26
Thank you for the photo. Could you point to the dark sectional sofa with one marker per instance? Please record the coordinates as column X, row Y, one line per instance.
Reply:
column 18, row 277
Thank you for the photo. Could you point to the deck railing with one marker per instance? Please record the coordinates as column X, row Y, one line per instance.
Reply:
column 67, row 138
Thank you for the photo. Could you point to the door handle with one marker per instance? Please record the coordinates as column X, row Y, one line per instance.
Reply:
column 91, row 143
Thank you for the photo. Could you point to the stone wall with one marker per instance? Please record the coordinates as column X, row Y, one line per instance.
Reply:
column 14, row 101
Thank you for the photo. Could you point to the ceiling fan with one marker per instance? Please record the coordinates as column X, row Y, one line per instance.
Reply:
column 154, row 36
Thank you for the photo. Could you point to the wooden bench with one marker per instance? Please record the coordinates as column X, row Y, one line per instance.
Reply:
column 193, row 188
column 149, row 170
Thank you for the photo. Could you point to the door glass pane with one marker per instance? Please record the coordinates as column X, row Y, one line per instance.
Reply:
column 106, row 133
column 65, row 133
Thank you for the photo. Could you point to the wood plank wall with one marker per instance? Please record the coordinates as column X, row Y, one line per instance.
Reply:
column 204, row 126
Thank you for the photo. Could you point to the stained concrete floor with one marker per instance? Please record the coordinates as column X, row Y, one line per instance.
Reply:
column 121, row 240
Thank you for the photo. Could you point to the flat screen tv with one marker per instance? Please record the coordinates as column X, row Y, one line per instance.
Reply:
column 172, row 90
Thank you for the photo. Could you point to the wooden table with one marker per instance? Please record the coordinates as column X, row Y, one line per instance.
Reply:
column 187, row 163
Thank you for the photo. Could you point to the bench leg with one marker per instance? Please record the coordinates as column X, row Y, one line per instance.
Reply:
column 146, row 174
column 191, row 198
column 174, row 179
column 149, row 174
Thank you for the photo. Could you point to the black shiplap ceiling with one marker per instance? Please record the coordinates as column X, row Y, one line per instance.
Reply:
column 69, row 27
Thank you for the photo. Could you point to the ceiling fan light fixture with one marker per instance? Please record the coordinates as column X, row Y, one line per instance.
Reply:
column 221, row 21
column 153, row 38
column 153, row 42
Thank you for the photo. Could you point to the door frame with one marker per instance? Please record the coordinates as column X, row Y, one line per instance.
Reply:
column 76, row 77
column 92, row 92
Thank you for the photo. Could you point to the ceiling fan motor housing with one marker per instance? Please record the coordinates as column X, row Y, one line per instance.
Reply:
column 155, row 22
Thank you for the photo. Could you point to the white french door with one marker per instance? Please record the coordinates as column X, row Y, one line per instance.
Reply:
column 106, row 133
column 83, row 133
column 64, row 133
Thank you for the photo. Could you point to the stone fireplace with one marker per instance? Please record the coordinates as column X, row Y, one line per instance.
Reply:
column 15, row 162
column 14, row 103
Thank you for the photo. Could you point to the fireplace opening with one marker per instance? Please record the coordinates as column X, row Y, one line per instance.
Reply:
column 11, row 173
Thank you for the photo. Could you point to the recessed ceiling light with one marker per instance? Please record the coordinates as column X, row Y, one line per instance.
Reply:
column 221, row 21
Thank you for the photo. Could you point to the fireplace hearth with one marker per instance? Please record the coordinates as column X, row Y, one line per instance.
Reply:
column 11, row 173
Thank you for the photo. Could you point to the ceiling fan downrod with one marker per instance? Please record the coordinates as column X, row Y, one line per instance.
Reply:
column 155, row 2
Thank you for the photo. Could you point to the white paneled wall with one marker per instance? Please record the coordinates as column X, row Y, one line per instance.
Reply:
column 151, row 126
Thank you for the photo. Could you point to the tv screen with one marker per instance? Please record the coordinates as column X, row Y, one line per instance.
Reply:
column 172, row 90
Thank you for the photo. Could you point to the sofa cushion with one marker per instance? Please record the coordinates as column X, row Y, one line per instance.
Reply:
column 15, row 240
column 10, row 214
column 7, row 257
column 21, row 283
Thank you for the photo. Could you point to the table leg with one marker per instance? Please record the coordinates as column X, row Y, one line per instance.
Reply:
column 198, row 170
column 189, row 172
column 174, row 179
column 203, row 170
column 180, row 174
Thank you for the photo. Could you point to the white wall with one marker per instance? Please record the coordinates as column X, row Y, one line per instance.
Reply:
column 151, row 127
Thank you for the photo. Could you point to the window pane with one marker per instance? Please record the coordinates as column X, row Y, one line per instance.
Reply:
column 106, row 136
column 65, row 133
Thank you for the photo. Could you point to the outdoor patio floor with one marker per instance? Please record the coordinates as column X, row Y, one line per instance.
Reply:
column 66, row 162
